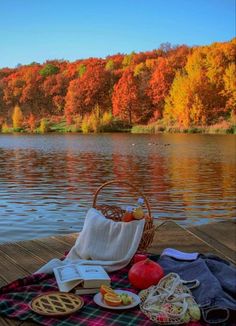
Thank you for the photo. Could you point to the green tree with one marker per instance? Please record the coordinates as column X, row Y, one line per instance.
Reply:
column 48, row 70
column 81, row 70
column 128, row 58
column 110, row 65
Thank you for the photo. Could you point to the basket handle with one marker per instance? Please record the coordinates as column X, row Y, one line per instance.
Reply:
column 127, row 184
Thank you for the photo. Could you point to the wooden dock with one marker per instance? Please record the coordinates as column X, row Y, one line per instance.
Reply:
column 23, row 258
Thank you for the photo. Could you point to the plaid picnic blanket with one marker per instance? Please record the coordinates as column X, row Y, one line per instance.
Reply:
column 15, row 298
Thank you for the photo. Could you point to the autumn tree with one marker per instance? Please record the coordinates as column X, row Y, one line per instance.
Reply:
column 110, row 65
column 184, row 85
column 43, row 127
column 159, row 85
column 230, row 87
column 197, row 94
column 125, row 97
column 31, row 122
column 92, row 89
column 128, row 59
column 17, row 118
column 32, row 98
column 13, row 86
column 54, row 89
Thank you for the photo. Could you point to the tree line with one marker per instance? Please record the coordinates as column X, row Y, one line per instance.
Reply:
column 177, row 85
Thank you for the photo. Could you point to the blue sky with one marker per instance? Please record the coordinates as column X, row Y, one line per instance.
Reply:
column 37, row 30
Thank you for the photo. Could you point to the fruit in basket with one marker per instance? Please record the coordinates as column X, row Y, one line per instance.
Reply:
column 112, row 300
column 145, row 273
column 138, row 213
column 128, row 215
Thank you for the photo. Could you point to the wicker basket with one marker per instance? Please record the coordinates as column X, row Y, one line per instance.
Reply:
column 116, row 213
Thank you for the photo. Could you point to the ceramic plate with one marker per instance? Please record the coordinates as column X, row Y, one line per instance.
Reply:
column 99, row 301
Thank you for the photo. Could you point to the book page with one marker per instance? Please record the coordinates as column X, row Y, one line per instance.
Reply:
column 69, row 273
column 93, row 272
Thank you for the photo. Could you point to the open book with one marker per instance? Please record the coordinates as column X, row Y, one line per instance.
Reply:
column 88, row 276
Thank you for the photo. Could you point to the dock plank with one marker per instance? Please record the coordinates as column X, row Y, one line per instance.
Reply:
column 22, row 258
column 171, row 235
column 40, row 250
column 10, row 322
column 10, row 271
column 220, row 235
column 57, row 244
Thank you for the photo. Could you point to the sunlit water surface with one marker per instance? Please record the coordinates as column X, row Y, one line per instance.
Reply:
column 47, row 182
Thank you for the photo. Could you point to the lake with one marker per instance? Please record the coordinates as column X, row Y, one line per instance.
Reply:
column 47, row 182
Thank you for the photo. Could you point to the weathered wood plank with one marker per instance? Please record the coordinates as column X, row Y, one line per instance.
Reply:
column 9, row 322
column 220, row 235
column 28, row 323
column 55, row 244
column 21, row 257
column 171, row 235
column 10, row 271
column 67, row 239
column 39, row 250
column 224, row 232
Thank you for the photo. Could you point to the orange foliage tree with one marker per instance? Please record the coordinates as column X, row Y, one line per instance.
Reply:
column 160, row 83
column 31, row 122
column 54, row 90
column 91, row 89
column 125, row 97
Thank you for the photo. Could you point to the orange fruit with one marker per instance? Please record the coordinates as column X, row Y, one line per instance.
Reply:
column 128, row 217
column 112, row 300
column 106, row 289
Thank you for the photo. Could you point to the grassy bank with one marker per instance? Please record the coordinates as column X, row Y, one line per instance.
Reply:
column 223, row 127
column 59, row 125
column 94, row 125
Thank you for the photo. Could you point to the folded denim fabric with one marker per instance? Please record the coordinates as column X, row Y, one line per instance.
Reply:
column 217, row 291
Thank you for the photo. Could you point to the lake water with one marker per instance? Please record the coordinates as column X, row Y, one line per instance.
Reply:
column 47, row 182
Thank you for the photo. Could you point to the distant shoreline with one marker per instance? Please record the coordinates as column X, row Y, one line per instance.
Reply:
column 60, row 126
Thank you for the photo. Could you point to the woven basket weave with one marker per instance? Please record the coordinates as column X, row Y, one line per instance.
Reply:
column 116, row 213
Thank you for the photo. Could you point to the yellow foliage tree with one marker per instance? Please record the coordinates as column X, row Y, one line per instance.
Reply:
column 43, row 126
column 85, row 126
column 106, row 118
column 5, row 128
column 230, row 87
column 94, row 122
column 17, row 118
column 204, row 92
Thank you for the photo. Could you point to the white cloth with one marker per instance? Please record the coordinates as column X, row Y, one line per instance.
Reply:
column 102, row 242
column 180, row 255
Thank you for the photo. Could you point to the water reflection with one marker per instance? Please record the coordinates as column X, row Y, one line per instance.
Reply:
column 47, row 182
